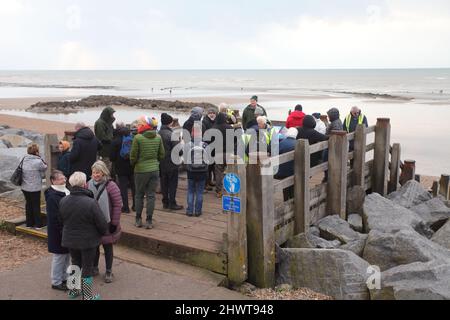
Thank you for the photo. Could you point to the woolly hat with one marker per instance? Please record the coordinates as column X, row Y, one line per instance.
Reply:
column 65, row 144
column 145, row 123
column 316, row 115
column 166, row 119
column 254, row 98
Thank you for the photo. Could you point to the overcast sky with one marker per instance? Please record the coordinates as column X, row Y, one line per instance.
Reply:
column 226, row 34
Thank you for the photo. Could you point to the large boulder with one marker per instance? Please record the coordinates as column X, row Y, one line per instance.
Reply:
column 384, row 215
column 16, row 195
column 337, row 273
column 434, row 212
column 357, row 246
column 410, row 195
column 388, row 250
column 416, row 281
column 442, row 237
column 355, row 199
column 311, row 241
column 355, row 222
column 334, row 228
column 16, row 141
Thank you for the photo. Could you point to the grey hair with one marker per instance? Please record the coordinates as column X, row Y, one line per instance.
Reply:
column 101, row 166
column 78, row 179
column 223, row 107
column 355, row 109
column 261, row 119
column 80, row 125
column 120, row 125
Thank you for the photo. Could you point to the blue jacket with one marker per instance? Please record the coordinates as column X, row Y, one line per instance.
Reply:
column 54, row 225
column 286, row 169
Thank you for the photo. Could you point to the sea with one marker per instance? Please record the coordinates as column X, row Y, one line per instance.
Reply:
column 416, row 100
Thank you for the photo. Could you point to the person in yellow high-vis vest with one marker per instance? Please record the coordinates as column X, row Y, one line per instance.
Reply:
column 354, row 118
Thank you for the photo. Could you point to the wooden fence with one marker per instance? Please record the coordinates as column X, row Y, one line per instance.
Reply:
column 271, row 220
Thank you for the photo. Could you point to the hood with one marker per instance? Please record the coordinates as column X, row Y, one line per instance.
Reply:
column 107, row 115
column 78, row 191
column 150, row 134
column 85, row 134
column 197, row 112
column 309, row 122
column 333, row 114
column 297, row 115
column 221, row 118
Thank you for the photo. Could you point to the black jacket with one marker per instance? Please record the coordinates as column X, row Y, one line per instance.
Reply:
column 166, row 135
column 222, row 125
column 83, row 221
column 54, row 225
column 84, row 151
column 189, row 124
column 122, row 166
column 308, row 132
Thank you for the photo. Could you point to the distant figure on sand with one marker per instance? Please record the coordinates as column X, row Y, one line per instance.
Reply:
column 84, row 150
column 295, row 118
column 249, row 112
column 33, row 168
column 61, row 256
column 104, row 131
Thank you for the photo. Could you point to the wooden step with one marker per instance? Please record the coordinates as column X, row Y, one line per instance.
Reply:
column 22, row 229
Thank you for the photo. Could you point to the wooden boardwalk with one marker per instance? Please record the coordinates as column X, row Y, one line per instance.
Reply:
column 195, row 240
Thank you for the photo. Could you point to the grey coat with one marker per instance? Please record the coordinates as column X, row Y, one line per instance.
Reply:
column 33, row 172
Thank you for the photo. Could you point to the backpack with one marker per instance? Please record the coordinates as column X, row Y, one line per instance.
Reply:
column 125, row 150
column 198, row 152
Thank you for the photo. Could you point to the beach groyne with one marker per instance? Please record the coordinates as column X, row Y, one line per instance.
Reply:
column 104, row 101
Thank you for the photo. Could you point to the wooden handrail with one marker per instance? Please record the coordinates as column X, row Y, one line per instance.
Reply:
column 318, row 147
column 319, row 169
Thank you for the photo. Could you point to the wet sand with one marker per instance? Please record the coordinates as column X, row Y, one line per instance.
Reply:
column 24, row 103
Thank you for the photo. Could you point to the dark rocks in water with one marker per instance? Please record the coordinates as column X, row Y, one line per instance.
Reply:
column 104, row 101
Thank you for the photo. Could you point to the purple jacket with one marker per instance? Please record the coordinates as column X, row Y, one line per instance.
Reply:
column 115, row 204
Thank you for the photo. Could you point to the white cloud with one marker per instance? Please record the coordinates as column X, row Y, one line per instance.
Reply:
column 74, row 55
column 11, row 7
column 141, row 58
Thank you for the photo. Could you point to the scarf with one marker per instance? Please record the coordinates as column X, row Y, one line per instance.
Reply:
column 61, row 189
column 103, row 201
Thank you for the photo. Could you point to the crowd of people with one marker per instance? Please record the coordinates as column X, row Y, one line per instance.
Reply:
column 90, row 189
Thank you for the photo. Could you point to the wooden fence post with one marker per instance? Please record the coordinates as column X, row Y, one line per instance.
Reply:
column 395, row 168
column 435, row 189
column 237, row 232
column 381, row 156
column 408, row 171
column 359, row 158
column 260, row 225
column 444, row 186
column 337, row 174
column 51, row 158
column 301, row 187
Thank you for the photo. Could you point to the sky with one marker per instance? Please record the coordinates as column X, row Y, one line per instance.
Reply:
column 231, row 34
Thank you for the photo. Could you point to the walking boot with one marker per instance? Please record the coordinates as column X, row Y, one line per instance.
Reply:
column 139, row 222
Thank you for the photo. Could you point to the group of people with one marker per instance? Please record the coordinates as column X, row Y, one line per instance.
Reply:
column 90, row 188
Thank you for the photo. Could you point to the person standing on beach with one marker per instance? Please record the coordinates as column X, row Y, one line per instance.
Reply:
column 249, row 112
column 33, row 171
column 64, row 158
column 169, row 170
column 104, row 131
column 208, row 123
column 61, row 256
column 83, row 227
column 84, row 150
column 107, row 194
column 146, row 153
column 219, row 168
column 295, row 118
column 120, row 157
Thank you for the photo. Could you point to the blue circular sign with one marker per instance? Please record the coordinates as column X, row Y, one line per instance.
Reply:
column 232, row 183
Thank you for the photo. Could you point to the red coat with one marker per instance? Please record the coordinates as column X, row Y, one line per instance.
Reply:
column 295, row 119
column 115, row 204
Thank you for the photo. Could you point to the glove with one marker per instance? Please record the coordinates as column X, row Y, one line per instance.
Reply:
column 112, row 228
